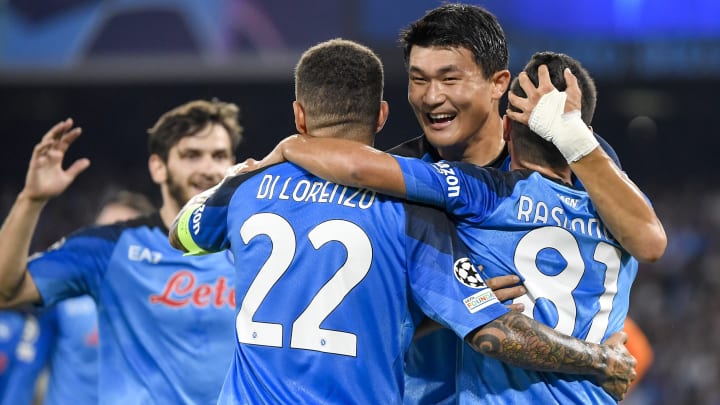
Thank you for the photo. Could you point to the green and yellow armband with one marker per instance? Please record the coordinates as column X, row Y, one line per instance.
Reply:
column 185, row 235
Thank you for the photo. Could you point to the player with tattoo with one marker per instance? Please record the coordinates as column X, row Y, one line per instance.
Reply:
column 325, row 272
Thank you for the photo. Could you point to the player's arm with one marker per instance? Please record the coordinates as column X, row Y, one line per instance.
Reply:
column 521, row 341
column 505, row 288
column 45, row 179
column 180, row 234
column 620, row 203
column 179, row 230
column 341, row 161
column 201, row 225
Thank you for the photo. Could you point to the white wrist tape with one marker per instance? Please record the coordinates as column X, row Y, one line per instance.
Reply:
column 566, row 131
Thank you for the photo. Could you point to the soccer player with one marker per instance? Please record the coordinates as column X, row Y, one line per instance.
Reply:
column 21, row 352
column 325, row 272
column 457, row 60
column 70, row 328
column 164, row 319
column 531, row 221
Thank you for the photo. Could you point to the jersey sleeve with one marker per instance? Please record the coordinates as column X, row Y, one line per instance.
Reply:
column 443, row 281
column 462, row 190
column 74, row 265
column 202, row 229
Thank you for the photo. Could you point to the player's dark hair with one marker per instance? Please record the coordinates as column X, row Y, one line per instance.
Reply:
column 136, row 201
column 556, row 63
column 339, row 82
column 460, row 25
column 190, row 118
column 532, row 147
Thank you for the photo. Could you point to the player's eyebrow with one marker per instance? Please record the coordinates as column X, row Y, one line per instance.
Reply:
column 441, row 71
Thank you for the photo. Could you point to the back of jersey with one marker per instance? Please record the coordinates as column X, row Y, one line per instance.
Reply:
column 578, row 278
column 321, row 289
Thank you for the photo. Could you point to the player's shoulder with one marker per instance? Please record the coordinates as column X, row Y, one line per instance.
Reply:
column 112, row 232
column 503, row 182
column 229, row 185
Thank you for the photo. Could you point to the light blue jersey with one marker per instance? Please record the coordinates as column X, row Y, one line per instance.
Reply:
column 577, row 276
column 72, row 331
column 165, row 320
column 23, row 348
column 329, row 280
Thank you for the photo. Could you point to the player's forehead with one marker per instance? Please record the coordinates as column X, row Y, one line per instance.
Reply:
column 213, row 138
column 438, row 59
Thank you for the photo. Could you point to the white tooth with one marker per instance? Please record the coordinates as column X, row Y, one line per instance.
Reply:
column 440, row 116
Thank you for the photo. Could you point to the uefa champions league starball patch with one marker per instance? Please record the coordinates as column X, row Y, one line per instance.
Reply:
column 467, row 274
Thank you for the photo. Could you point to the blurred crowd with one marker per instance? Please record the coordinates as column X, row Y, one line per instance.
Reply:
column 675, row 299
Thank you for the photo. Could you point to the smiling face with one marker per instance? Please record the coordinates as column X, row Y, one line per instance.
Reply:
column 194, row 164
column 456, row 105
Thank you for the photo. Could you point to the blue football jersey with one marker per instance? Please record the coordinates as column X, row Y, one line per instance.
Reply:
column 23, row 348
column 73, row 359
column 431, row 365
column 329, row 280
column 577, row 276
column 165, row 320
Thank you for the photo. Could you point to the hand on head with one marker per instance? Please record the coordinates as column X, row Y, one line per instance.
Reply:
column 553, row 115
column 526, row 105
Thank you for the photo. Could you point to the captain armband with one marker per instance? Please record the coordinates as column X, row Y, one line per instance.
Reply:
column 184, row 232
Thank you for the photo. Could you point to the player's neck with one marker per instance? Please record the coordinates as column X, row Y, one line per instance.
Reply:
column 481, row 150
column 348, row 132
column 168, row 212
column 563, row 175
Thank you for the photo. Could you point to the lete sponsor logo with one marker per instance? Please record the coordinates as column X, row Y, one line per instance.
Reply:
column 182, row 289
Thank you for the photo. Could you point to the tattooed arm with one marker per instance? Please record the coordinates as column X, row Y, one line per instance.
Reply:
column 521, row 341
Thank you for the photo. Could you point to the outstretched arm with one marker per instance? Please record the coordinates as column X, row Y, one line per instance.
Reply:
column 45, row 179
column 521, row 341
column 620, row 203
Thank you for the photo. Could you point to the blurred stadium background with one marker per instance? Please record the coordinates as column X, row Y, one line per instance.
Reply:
column 115, row 65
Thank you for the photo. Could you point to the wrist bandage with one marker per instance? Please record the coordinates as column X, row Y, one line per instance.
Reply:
column 566, row 131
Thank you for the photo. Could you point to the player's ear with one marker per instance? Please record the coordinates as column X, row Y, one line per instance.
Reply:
column 157, row 168
column 507, row 125
column 299, row 112
column 383, row 115
column 500, row 81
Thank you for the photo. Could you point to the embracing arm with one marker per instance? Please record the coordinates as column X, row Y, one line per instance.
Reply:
column 520, row 341
column 505, row 288
column 342, row 161
column 620, row 203
column 45, row 179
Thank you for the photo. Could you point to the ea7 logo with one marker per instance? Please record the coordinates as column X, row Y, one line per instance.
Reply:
column 142, row 254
